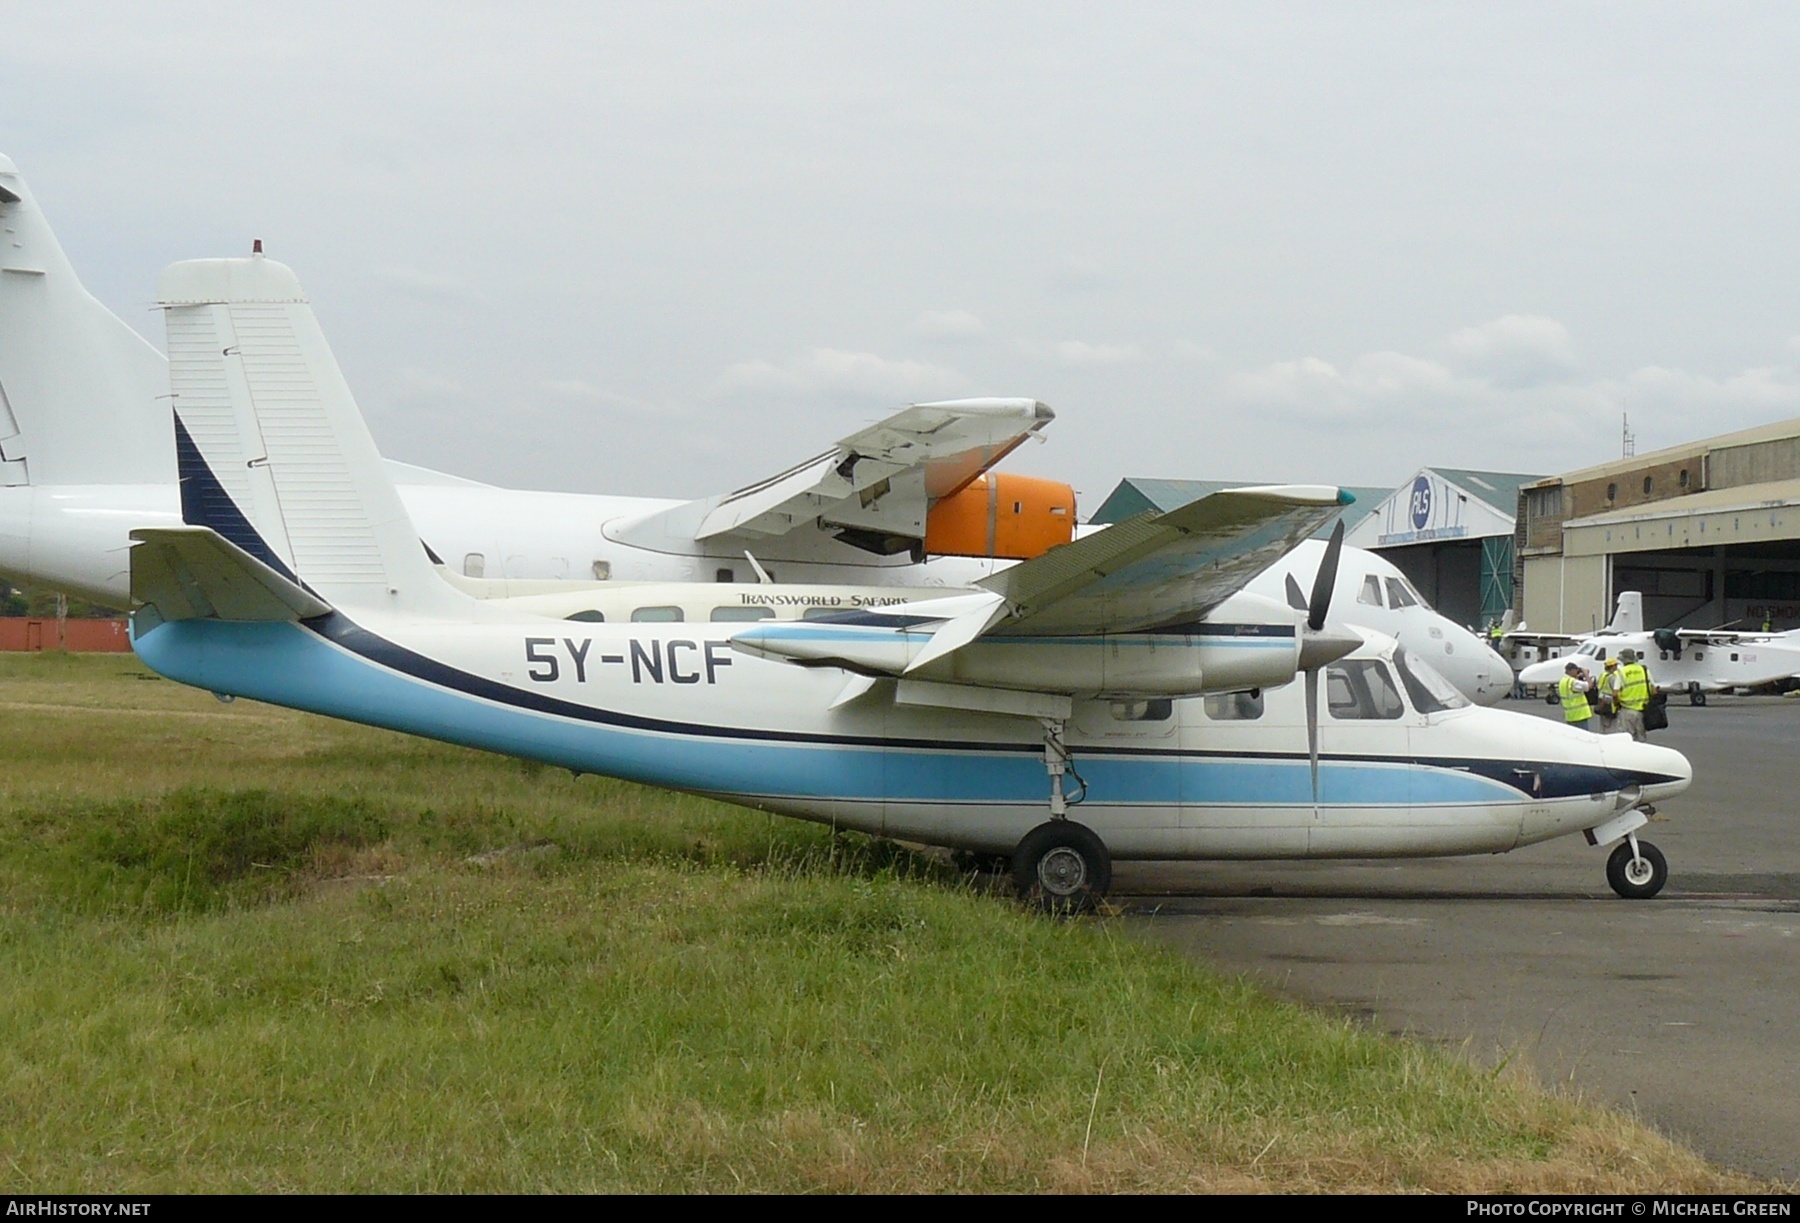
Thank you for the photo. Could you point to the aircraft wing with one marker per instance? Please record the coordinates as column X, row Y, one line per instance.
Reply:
column 1154, row 570
column 881, row 480
column 1161, row 568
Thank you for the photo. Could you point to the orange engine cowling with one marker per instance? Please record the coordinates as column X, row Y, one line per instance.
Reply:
column 1009, row 517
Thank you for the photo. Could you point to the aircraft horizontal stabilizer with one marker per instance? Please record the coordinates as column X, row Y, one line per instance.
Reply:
column 1162, row 568
column 192, row 573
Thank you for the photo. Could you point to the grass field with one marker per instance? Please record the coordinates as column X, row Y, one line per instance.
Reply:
column 247, row 949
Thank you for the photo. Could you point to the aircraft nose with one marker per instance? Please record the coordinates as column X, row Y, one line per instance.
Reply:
column 1493, row 675
column 1662, row 771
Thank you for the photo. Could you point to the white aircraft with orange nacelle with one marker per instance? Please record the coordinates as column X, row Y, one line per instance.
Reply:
column 86, row 453
column 1119, row 696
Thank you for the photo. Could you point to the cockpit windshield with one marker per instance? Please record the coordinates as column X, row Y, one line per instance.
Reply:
column 1429, row 691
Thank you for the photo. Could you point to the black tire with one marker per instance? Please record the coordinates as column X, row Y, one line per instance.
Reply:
column 1642, row 880
column 1553, row 698
column 1696, row 697
column 1062, row 867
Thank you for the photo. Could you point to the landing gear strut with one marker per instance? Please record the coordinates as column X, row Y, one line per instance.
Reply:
column 1637, row 869
column 1061, row 865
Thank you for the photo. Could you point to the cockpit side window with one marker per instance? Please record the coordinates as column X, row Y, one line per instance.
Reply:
column 1399, row 595
column 1370, row 592
column 1360, row 689
column 1429, row 691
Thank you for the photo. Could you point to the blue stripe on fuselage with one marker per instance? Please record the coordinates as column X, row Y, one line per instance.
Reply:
column 291, row 665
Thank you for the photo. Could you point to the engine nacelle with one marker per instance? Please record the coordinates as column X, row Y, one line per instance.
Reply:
column 1007, row 517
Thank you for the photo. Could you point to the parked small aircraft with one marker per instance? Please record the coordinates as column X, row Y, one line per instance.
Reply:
column 1125, row 676
column 1698, row 661
column 86, row 454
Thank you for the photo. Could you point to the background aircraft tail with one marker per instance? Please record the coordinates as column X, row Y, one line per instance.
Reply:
column 78, row 388
column 1628, row 617
column 272, row 452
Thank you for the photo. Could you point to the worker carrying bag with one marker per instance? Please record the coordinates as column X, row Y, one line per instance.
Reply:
column 1656, row 711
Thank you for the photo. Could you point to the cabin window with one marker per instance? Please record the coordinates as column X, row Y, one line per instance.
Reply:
column 588, row 617
column 821, row 613
column 1159, row 710
column 721, row 615
column 657, row 615
column 1360, row 689
column 1370, row 592
column 1399, row 595
column 474, row 565
column 1235, row 706
column 1699, row 654
column 602, row 571
column 724, row 575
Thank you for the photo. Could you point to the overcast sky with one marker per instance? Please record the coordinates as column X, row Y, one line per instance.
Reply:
column 665, row 249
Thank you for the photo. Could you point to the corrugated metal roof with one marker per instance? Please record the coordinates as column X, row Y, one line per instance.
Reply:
column 1499, row 489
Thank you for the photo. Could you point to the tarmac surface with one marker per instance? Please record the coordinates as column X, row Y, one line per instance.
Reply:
column 1683, row 1010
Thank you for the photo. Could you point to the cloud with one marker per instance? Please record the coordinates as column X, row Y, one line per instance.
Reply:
column 1082, row 355
column 432, row 285
column 412, row 382
column 948, row 327
column 1516, row 350
column 823, row 371
column 580, row 390
column 1478, row 406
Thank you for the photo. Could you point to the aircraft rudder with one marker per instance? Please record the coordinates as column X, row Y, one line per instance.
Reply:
column 276, row 455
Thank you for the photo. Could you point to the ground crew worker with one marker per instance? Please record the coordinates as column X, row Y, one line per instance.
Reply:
column 1607, row 698
column 1573, row 688
column 1634, row 694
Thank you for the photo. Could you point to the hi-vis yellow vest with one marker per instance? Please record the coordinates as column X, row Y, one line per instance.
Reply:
column 1635, row 694
column 1575, row 704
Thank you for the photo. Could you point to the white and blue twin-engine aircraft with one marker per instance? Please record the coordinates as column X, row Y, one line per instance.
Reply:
column 1116, row 697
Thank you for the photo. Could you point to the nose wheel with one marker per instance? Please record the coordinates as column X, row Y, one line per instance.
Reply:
column 1637, row 869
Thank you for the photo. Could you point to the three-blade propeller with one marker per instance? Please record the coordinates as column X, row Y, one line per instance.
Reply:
column 1317, row 647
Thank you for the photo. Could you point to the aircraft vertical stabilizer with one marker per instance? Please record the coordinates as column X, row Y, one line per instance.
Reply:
column 1628, row 617
column 272, row 451
column 77, row 386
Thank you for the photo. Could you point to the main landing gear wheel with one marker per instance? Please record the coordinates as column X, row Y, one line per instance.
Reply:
column 1637, row 875
column 1695, row 696
column 1062, row 866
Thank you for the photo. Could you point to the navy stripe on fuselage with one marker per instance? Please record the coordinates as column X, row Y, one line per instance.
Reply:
column 1537, row 779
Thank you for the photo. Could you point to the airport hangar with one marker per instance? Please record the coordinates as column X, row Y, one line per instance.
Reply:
column 1709, row 531
column 1452, row 532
